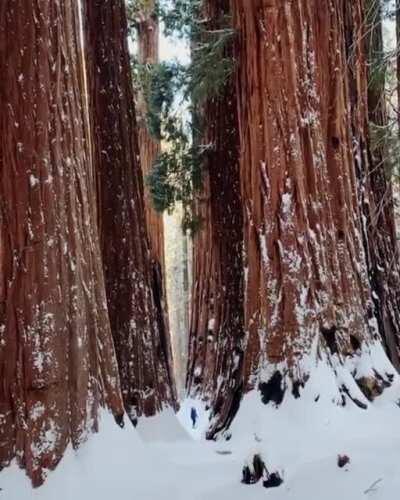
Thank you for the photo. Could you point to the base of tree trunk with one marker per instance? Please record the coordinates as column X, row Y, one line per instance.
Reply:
column 320, row 378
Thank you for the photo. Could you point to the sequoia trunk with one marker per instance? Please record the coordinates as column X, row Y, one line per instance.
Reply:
column 133, row 284
column 307, row 289
column 57, row 360
column 148, row 54
column 216, row 326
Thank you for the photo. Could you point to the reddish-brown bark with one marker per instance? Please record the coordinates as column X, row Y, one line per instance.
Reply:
column 133, row 283
column 294, row 157
column 216, row 325
column 302, row 114
column 148, row 54
column 147, row 26
column 57, row 360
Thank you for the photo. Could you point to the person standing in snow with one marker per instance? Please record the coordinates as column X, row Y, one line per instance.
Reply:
column 193, row 416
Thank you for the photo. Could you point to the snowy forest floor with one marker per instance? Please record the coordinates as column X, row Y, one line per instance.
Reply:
column 164, row 459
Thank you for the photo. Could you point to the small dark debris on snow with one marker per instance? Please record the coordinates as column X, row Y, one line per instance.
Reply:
column 373, row 486
column 390, row 376
column 224, row 452
column 258, row 470
column 257, row 438
column 274, row 480
column 342, row 461
column 251, row 475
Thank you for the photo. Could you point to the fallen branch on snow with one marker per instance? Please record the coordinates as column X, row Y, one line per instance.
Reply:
column 373, row 486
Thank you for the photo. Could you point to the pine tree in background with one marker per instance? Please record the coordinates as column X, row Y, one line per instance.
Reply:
column 57, row 360
column 134, row 293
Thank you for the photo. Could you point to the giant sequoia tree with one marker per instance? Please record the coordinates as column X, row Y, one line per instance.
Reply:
column 295, row 261
column 216, row 326
column 304, row 163
column 134, row 292
column 149, row 146
column 57, row 361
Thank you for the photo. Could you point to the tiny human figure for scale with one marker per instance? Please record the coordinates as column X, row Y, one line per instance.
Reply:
column 193, row 416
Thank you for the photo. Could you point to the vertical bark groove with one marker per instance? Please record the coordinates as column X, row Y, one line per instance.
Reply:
column 57, row 359
column 148, row 53
column 216, row 329
column 133, row 284
column 302, row 115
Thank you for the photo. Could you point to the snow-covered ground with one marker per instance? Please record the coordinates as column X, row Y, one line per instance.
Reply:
column 165, row 459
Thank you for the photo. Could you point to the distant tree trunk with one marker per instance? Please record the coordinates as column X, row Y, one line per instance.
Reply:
column 382, row 248
column 133, row 284
column 307, row 290
column 148, row 54
column 216, row 327
column 176, row 277
column 57, row 360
